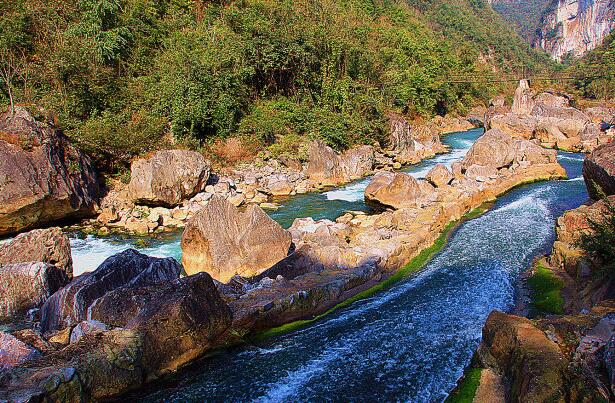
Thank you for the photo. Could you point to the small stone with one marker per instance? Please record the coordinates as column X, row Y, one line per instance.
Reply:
column 86, row 327
column 270, row 206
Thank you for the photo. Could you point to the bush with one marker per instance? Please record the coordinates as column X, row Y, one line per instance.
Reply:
column 599, row 241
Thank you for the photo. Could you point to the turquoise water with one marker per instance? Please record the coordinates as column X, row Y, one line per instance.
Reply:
column 90, row 251
column 410, row 342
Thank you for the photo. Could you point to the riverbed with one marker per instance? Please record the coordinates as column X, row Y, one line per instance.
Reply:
column 90, row 251
column 410, row 342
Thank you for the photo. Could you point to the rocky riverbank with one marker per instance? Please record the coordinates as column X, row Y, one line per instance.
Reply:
column 135, row 319
column 551, row 118
column 555, row 356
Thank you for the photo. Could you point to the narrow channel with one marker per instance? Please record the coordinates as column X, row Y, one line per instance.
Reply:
column 410, row 342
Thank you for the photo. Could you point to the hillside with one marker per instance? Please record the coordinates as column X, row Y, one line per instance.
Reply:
column 126, row 76
column 595, row 72
column 525, row 16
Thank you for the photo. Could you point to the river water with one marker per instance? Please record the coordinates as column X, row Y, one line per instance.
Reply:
column 90, row 251
column 410, row 342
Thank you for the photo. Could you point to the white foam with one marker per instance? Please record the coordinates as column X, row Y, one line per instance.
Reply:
column 351, row 193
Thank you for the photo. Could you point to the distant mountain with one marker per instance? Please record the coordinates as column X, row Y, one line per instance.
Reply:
column 563, row 28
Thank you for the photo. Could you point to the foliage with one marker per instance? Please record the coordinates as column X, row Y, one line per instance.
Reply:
column 524, row 15
column 466, row 390
column 546, row 290
column 122, row 74
column 599, row 241
column 595, row 72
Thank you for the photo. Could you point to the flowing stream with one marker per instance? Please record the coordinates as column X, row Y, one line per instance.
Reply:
column 90, row 251
column 410, row 342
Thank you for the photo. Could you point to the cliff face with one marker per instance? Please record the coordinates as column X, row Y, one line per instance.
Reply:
column 575, row 27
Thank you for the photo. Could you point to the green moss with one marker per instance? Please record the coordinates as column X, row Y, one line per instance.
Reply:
column 466, row 390
column 415, row 265
column 546, row 290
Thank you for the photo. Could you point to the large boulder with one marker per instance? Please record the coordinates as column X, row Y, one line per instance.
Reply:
column 179, row 319
column 396, row 190
column 43, row 178
column 49, row 245
column 524, row 102
column 599, row 171
column 524, row 354
column 328, row 168
column 494, row 149
column 224, row 241
column 125, row 270
column 168, row 177
column 439, row 176
column 24, row 286
column 411, row 144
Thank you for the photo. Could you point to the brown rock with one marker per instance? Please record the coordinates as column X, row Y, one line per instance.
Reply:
column 124, row 270
column 223, row 241
column 168, row 177
column 534, row 364
column 411, row 144
column 494, row 149
column 40, row 245
column 27, row 285
column 439, row 176
column 280, row 188
column 599, row 171
column 43, row 178
column 396, row 190
column 328, row 168
column 523, row 102
column 481, row 173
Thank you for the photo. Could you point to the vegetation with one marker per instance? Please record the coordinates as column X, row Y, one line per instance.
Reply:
column 546, row 290
column 595, row 72
column 599, row 241
column 466, row 390
column 524, row 15
column 123, row 77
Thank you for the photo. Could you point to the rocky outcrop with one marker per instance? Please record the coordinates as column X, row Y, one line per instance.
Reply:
column 168, row 177
column 409, row 145
column 397, row 190
column 24, row 286
column 573, row 27
column 599, row 171
column 126, row 270
column 327, row 168
column 43, row 178
column 439, row 176
column 224, row 242
column 40, row 245
column 549, row 118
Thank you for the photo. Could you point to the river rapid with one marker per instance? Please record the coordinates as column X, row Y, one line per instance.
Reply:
column 410, row 342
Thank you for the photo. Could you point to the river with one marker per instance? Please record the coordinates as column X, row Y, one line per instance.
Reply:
column 410, row 342
column 90, row 251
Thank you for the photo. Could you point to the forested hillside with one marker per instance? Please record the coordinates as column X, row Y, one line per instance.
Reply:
column 122, row 77
column 524, row 15
column 595, row 72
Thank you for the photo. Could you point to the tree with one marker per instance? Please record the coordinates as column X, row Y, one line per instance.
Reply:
column 13, row 68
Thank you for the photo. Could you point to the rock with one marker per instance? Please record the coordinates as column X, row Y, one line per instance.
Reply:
column 108, row 215
column 137, row 226
column 494, row 149
column 481, row 173
column 40, row 245
column 223, row 241
column 14, row 352
column 523, row 102
column 396, row 190
column 280, row 188
column 534, row 364
column 43, row 178
column 328, row 168
column 24, row 286
column 411, row 144
column 179, row 319
column 168, row 177
column 533, row 153
column 599, row 171
column 439, row 176
column 237, row 200
column 124, row 270
column 86, row 327
column 553, row 100
column 269, row 206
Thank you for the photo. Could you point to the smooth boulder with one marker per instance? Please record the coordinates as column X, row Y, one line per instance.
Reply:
column 599, row 171
column 396, row 190
column 439, row 176
column 24, row 286
column 43, row 178
column 14, row 352
column 125, row 270
column 223, row 241
column 495, row 149
column 326, row 167
column 168, row 177
column 49, row 245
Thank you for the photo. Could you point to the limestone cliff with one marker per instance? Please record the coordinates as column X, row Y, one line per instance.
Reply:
column 575, row 27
